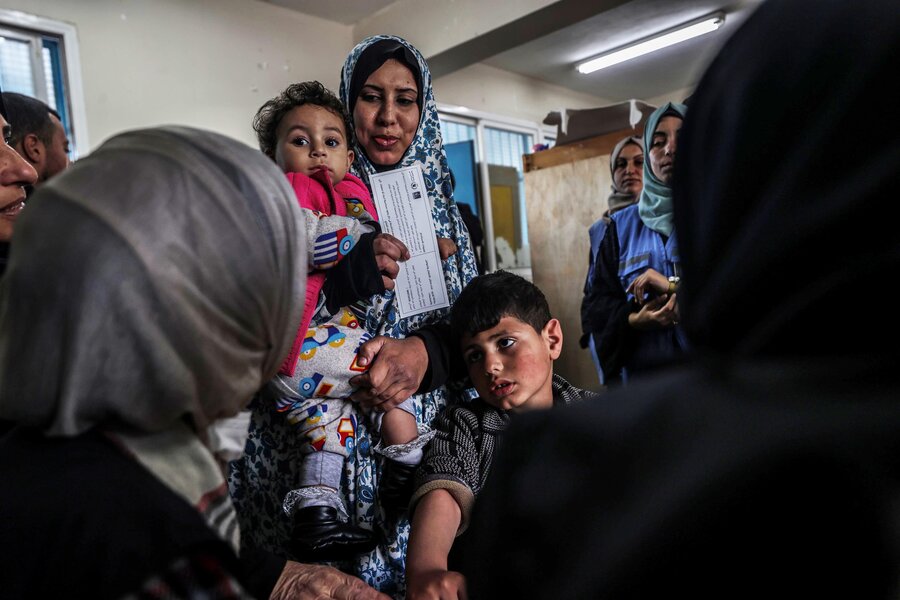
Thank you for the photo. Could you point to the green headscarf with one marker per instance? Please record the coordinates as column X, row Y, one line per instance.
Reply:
column 655, row 205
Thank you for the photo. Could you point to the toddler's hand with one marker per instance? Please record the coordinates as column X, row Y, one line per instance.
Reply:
column 388, row 252
column 446, row 247
column 396, row 370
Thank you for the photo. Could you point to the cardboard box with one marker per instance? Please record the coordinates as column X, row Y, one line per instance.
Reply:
column 573, row 125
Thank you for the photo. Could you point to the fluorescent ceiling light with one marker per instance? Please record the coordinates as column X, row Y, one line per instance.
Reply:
column 652, row 44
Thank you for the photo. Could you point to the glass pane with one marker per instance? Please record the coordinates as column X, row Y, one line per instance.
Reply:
column 459, row 144
column 15, row 66
column 48, row 77
column 457, row 132
column 504, row 150
column 56, row 85
column 41, row 76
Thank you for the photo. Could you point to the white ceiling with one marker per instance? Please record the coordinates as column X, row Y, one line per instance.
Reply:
column 548, row 43
column 552, row 57
column 347, row 12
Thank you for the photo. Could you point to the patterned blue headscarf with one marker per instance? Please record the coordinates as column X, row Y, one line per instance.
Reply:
column 271, row 467
column 426, row 151
column 655, row 206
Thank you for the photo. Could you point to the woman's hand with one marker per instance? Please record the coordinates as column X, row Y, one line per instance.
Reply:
column 388, row 252
column 394, row 376
column 318, row 582
column 437, row 585
column 659, row 313
column 649, row 282
column 446, row 247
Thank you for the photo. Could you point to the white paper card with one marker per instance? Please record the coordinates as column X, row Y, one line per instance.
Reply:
column 404, row 211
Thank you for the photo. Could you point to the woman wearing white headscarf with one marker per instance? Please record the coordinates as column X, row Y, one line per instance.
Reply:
column 626, row 173
column 150, row 293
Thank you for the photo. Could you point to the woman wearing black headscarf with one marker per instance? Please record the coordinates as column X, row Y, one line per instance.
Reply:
column 770, row 464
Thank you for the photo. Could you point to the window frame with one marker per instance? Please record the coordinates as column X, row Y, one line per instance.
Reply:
column 481, row 120
column 34, row 43
column 27, row 24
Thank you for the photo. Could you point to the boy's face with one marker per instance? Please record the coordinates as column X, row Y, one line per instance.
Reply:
column 310, row 137
column 511, row 364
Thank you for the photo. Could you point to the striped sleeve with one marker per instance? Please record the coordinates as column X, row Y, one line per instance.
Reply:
column 452, row 460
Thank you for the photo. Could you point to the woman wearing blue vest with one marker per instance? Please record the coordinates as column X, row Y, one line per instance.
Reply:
column 626, row 166
column 638, row 271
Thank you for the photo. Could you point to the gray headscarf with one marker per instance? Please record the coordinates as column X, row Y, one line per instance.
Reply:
column 159, row 277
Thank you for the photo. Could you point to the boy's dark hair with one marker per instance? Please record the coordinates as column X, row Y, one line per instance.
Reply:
column 269, row 115
column 489, row 298
column 28, row 115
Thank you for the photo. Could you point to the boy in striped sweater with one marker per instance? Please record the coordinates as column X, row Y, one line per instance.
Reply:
column 509, row 342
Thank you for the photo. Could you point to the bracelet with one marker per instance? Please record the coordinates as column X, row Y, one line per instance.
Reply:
column 673, row 284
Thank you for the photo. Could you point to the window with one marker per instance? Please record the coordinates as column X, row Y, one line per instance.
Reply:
column 499, row 145
column 504, row 149
column 39, row 58
column 455, row 131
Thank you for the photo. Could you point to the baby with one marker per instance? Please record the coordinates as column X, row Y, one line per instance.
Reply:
column 307, row 132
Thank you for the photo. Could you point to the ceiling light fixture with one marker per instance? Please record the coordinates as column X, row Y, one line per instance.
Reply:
column 667, row 38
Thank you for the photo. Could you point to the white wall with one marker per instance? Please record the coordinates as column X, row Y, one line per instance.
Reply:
column 206, row 63
column 433, row 26
column 485, row 88
column 212, row 63
column 673, row 96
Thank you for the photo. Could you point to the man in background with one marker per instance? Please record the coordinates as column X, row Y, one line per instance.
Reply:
column 38, row 135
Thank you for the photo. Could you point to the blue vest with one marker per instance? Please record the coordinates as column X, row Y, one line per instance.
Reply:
column 641, row 248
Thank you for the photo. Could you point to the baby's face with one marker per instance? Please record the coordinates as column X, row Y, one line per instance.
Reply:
column 511, row 364
column 310, row 138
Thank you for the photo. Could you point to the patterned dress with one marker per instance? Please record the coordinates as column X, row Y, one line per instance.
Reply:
column 260, row 480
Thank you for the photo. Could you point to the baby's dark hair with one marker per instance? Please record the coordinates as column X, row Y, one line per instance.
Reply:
column 269, row 115
column 489, row 298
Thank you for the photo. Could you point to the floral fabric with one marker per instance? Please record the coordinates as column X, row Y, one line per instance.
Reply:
column 270, row 467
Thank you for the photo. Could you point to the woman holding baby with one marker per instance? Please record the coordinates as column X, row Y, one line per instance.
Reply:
column 386, row 87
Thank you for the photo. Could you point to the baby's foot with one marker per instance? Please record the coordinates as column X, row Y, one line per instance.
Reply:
column 395, row 487
column 320, row 535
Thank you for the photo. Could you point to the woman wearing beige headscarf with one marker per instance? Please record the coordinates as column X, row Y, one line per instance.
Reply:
column 626, row 168
column 147, row 298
